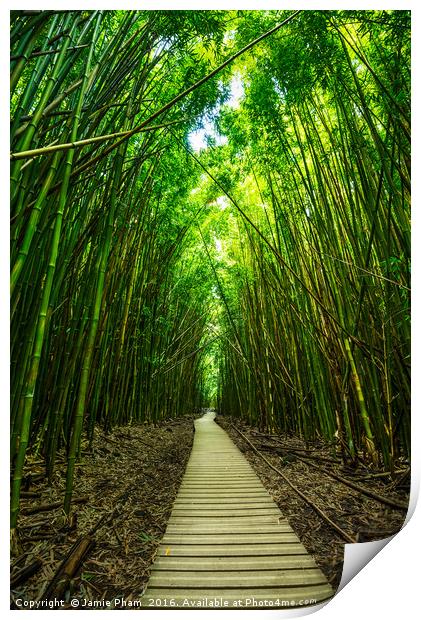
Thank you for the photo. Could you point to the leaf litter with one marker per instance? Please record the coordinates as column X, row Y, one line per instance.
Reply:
column 130, row 479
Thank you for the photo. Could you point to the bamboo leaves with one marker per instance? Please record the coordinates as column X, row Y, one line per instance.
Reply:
column 273, row 269
column 323, row 158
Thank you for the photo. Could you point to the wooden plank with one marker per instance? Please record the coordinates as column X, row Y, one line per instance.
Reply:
column 221, row 467
column 228, row 539
column 226, row 500
column 227, row 480
column 244, row 505
column 218, row 488
column 235, row 579
column 223, row 463
column 234, row 495
column 223, row 484
column 245, row 563
column 224, row 492
column 205, row 469
column 218, row 513
column 223, row 528
column 220, row 472
column 231, row 551
column 240, row 498
column 240, row 486
column 260, row 519
column 223, row 478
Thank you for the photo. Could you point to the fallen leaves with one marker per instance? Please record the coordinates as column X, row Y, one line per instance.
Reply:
column 131, row 479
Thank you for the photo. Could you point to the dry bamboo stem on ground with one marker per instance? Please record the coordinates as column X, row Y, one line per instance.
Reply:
column 23, row 574
column 67, row 569
column 379, row 498
column 47, row 507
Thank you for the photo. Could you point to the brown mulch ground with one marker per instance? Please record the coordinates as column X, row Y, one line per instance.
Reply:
column 358, row 515
column 131, row 479
column 132, row 473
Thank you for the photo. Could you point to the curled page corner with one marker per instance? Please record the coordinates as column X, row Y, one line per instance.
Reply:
column 358, row 555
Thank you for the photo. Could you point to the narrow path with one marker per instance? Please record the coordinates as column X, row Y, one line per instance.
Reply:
column 227, row 544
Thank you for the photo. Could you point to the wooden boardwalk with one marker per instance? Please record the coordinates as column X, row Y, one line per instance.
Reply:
column 227, row 544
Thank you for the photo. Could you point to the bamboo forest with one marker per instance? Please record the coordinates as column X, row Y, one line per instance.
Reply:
column 210, row 216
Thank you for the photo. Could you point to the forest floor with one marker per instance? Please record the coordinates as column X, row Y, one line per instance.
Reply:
column 130, row 480
column 359, row 516
column 128, row 483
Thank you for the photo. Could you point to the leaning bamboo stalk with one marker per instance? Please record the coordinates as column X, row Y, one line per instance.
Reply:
column 88, row 141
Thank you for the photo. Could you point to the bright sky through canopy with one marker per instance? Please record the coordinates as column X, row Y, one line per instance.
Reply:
column 197, row 138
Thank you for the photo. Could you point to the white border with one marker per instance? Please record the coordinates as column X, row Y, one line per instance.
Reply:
column 387, row 586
